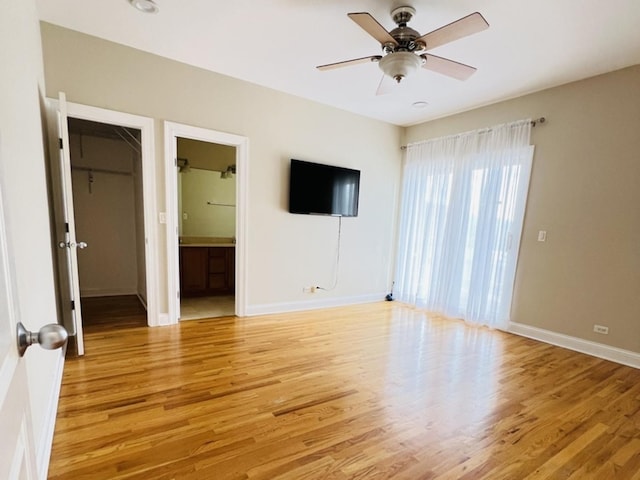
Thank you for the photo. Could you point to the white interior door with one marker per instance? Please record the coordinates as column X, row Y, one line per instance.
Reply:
column 17, row 458
column 65, row 223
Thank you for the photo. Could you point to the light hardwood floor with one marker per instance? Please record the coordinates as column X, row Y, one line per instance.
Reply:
column 194, row 308
column 365, row 392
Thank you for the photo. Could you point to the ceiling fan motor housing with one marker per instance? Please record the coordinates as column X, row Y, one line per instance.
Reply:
column 404, row 35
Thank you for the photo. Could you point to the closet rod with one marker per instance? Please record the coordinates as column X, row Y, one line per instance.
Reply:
column 101, row 170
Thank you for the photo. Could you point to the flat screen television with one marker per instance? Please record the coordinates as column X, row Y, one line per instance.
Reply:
column 317, row 189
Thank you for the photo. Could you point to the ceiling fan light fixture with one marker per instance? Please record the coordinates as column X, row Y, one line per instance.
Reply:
column 399, row 65
column 145, row 6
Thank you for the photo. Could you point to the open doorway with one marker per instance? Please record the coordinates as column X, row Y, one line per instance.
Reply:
column 106, row 178
column 139, row 132
column 209, row 269
column 206, row 228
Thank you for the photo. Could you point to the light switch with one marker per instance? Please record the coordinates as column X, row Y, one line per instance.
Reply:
column 185, row 216
column 542, row 236
column 162, row 217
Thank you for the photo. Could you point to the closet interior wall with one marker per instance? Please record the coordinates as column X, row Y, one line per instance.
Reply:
column 107, row 198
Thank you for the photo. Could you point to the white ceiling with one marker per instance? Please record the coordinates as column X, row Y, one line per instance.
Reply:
column 529, row 46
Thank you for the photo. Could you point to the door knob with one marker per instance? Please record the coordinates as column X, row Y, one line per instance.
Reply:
column 49, row 337
column 72, row 244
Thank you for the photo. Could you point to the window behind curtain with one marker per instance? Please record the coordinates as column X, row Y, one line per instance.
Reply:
column 463, row 201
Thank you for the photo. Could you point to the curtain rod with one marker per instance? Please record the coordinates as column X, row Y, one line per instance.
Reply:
column 534, row 122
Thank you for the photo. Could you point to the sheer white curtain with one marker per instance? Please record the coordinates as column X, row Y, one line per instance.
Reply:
column 462, row 208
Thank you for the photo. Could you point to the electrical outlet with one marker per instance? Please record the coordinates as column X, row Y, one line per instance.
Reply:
column 309, row 289
column 601, row 329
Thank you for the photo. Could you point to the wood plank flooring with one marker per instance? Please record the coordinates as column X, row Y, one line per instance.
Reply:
column 365, row 392
column 123, row 311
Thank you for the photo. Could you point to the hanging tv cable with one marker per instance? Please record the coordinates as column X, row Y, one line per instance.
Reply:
column 337, row 266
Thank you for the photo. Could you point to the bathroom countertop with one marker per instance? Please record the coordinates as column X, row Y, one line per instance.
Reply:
column 212, row 244
column 207, row 242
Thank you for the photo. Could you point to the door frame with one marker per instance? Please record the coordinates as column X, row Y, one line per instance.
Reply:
column 173, row 131
column 150, row 209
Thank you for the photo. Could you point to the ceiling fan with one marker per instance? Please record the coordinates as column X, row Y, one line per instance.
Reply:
column 403, row 48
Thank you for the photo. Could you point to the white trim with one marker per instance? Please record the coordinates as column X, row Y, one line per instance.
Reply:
column 45, row 443
column 146, row 127
column 104, row 292
column 171, row 132
column 299, row 306
column 618, row 355
column 163, row 320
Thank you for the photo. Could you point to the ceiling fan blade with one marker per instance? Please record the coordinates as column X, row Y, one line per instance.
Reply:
column 463, row 27
column 346, row 63
column 447, row 67
column 372, row 27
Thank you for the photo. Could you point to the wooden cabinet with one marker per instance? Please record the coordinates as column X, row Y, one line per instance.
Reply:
column 217, row 268
column 207, row 271
column 193, row 271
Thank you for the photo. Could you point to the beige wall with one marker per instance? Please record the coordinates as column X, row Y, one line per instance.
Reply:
column 22, row 167
column 285, row 252
column 585, row 192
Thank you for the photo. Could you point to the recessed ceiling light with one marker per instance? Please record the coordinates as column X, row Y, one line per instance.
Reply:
column 146, row 6
column 420, row 104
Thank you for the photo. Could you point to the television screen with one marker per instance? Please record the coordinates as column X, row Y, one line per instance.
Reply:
column 318, row 189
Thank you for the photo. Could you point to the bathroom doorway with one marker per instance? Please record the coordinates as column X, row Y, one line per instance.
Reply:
column 206, row 184
column 216, row 257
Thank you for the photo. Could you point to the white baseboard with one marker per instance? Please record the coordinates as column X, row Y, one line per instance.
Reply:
column 618, row 355
column 45, row 442
column 315, row 304
column 111, row 292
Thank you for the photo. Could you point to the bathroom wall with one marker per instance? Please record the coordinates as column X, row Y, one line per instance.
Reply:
column 207, row 204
